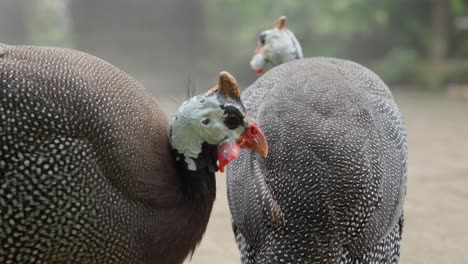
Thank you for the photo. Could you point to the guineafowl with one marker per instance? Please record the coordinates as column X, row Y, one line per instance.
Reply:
column 277, row 45
column 92, row 172
column 333, row 185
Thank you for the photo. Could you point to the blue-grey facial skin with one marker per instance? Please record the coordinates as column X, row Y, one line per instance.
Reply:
column 258, row 62
column 201, row 119
column 276, row 46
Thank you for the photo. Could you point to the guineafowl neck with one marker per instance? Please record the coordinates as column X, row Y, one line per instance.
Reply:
column 187, row 221
column 187, row 208
column 199, row 193
column 198, row 187
column 196, row 174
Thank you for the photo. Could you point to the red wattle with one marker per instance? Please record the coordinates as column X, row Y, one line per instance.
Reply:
column 258, row 72
column 227, row 152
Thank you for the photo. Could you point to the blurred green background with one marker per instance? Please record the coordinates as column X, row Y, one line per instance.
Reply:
column 418, row 47
column 422, row 44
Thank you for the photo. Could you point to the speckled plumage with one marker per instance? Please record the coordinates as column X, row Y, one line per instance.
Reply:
column 336, row 169
column 87, row 174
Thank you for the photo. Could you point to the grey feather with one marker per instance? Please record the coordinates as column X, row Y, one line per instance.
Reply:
column 336, row 167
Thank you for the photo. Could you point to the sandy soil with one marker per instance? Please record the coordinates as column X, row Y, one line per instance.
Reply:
column 436, row 208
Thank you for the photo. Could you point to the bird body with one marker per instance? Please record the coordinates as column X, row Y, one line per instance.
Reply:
column 87, row 170
column 332, row 187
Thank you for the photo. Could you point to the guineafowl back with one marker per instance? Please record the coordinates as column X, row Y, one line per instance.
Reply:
column 332, row 187
column 86, row 171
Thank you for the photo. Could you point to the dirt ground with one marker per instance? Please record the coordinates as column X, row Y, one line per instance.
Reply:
column 436, row 207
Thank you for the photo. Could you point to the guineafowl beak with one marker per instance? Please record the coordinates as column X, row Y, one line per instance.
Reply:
column 252, row 138
column 257, row 63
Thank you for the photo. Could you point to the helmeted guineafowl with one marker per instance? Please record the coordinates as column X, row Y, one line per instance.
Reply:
column 333, row 185
column 276, row 46
column 87, row 171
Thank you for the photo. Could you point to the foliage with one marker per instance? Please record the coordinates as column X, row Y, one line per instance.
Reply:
column 399, row 65
column 393, row 36
column 433, row 76
column 49, row 23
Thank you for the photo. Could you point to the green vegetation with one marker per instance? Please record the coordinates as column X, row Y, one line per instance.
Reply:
column 406, row 42
column 48, row 23
column 422, row 43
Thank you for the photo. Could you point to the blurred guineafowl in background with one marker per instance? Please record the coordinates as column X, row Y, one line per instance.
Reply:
column 333, row 185
column 87, row 171
column 276, row 46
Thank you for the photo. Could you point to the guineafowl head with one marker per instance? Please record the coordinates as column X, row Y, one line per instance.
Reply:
column 276, row 46
column 216, row 118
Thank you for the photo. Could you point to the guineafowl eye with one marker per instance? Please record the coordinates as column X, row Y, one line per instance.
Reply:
column 205, row 121
column 232, row 121
column 262, row 39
